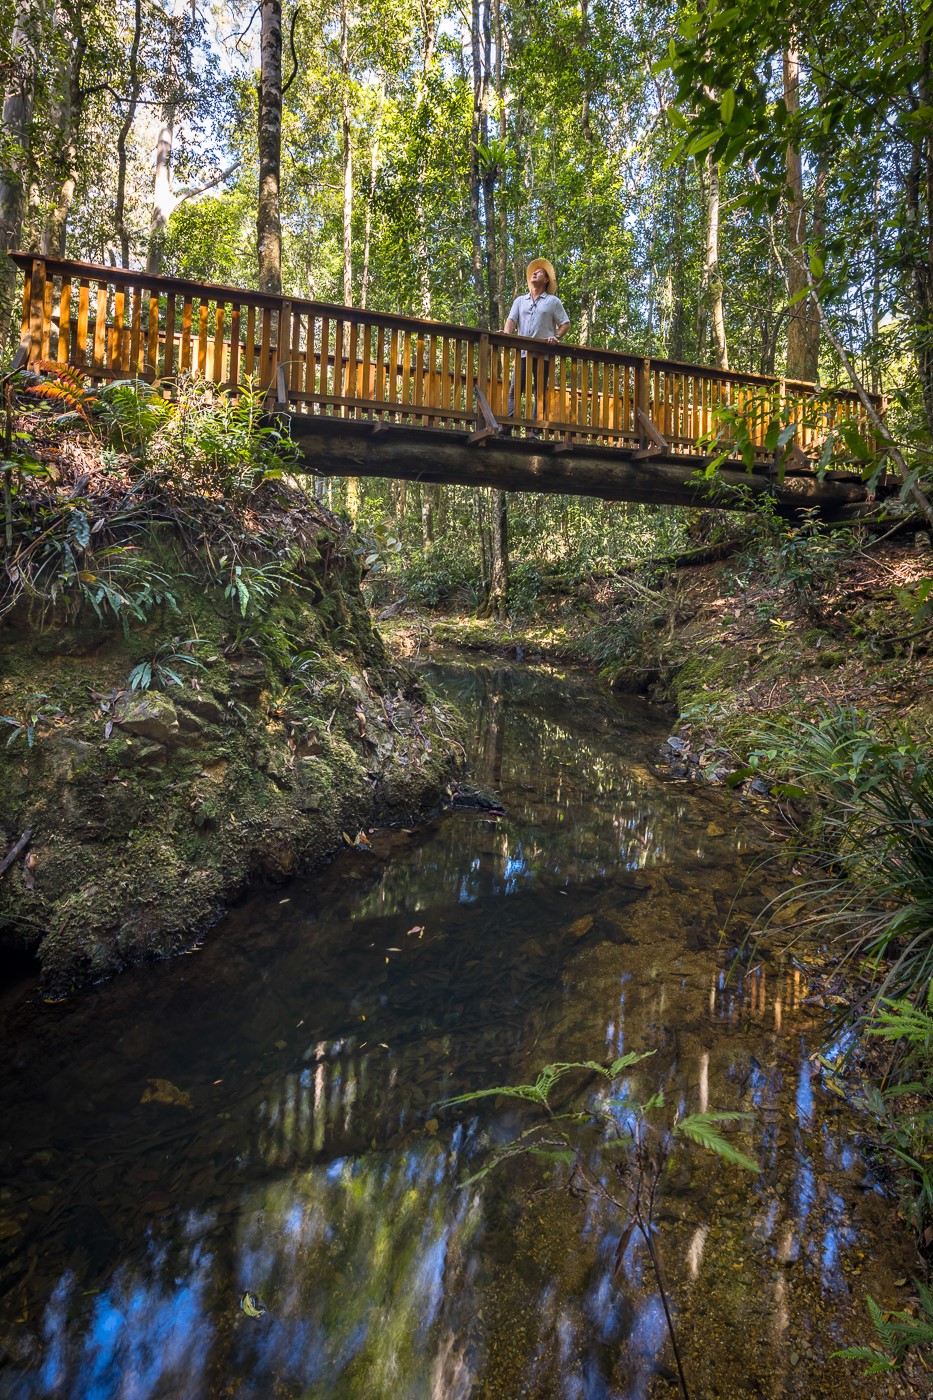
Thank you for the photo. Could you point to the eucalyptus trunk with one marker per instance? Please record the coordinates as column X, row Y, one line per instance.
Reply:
column 712, row 276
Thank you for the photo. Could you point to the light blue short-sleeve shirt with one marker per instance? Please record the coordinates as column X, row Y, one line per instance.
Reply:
column 539, row 318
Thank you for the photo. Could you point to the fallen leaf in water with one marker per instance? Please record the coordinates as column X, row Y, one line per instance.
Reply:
column 418, row 928
column 280, row 1044
column 581, row 927
column 714, row 830
column 431, row 1127
column 163, row 1091
column 251, row 1305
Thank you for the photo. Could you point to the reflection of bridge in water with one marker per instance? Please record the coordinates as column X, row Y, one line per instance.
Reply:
column 379, row 395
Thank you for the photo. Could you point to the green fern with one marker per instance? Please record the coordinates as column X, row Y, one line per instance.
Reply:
column 701, row 1128
column 548, row 1076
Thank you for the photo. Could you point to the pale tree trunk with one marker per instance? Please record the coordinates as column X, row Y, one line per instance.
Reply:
column 17, row 125
column 803, row 327
column 269, row 223
column 712, row 276
column 162, row 201
column 135, row 86
column 373, row 177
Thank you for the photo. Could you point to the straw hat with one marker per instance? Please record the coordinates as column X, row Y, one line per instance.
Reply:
column 548, row 268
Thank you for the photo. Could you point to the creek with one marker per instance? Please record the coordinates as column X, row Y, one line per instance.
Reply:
column 260, row 1127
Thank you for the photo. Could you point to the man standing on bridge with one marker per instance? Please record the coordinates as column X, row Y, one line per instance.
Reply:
column 539, row 315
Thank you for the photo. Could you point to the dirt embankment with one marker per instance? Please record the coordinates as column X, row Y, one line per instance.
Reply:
column 233, row 732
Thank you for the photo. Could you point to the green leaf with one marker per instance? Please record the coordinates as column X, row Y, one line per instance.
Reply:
column 727, row 106
column 703, row 143
column 816, row 266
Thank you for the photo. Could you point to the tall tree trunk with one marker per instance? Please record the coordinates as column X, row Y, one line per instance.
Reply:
column 677, row 342
column 373, row 176
column 499, row 583
column 347, row 153
column 67, row 116
column 712, row 276
column 119, row 213
column 502, row 271
column 803, row 319
column 17, row 124
column 476, row 139
column 162, row 199
column 268, row 222
column 920, row 221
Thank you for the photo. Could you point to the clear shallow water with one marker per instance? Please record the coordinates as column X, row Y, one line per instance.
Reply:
column 315, row 1036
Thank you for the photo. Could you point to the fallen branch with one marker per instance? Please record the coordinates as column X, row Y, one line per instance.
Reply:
column 15, row 851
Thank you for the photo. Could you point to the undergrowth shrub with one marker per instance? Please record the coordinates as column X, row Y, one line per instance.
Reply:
column 219, row 444
column 435, row 576
column 869, row 841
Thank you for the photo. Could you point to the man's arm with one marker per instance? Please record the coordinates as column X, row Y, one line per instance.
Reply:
column 511, row 321
column 559, row 334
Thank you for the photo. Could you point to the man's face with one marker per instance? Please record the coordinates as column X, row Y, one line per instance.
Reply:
column 539, row 281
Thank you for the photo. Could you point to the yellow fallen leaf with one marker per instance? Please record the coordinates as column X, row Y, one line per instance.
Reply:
column 163, row 1091
column 714, row 830
column 581, row 927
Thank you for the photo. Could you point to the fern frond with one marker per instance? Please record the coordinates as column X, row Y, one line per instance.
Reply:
column 901, row 1020
column 69, row 374
column 878, row 1362
column 702, row 1129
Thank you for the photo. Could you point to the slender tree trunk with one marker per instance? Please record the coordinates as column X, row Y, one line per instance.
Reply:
column 677, row 350
column 712, row 276
column 268, row 222
column 67, row 115
column 920, row 220
column 373, row 176
column 162, row 200
column 803, row 319
column 17, row 124
column 502, row 271
column 476, row 138
column 135, row 85
column 347, row 151
column 499, row 585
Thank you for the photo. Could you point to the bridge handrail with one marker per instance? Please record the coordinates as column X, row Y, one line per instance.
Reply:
column 349, row 362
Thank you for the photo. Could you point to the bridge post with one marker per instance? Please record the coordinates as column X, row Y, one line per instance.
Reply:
column 642, row 397
column 36, row 305
column 282, row 342
column 483, row 373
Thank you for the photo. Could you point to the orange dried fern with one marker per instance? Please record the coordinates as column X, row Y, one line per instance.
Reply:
column 66, row 387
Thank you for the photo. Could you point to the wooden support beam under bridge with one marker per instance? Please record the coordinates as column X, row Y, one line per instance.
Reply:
column 374, row 394
column 329, row 447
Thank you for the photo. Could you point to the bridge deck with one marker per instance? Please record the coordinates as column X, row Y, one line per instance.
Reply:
column 393, row 395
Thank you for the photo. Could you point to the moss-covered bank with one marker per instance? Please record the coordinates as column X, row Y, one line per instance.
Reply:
column 149, row 807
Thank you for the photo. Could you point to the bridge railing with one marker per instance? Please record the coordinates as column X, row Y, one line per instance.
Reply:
column 345, row 363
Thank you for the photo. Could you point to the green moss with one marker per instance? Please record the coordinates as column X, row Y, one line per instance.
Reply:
column 138, row 841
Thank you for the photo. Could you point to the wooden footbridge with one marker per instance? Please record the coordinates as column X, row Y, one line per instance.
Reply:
column 379, row 395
